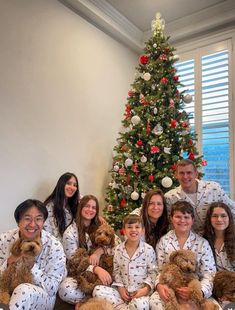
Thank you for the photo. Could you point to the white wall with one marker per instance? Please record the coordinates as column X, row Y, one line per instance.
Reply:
column 63, row 87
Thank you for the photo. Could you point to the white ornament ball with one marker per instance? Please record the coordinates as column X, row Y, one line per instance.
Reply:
column 147, row 76
column 116, row 168
column 155, row 111
column 167, row 182
column 143, row 159
column 187, row 98
column 128, row 162
column 143, row 195
column 135, row 119
column 135, row 195
column 167, row 150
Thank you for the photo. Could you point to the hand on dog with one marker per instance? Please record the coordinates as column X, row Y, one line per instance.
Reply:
column 163, row 291
column 184, row 293
column 12, row 260
column 124, row 293
column 103, row 275
column 94, row 259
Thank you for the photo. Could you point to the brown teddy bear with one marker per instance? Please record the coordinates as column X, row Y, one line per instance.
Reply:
column 19, row 272
column 181, row 272
column 78, row 264
column 224, row 286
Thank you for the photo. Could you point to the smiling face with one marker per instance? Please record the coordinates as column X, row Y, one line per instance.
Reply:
column 187, row 175
column 88, row 212
column 155, row 208
column 70, row 187
column 31, row 223
column 182, row 222
column 133, row 231
column 219, row 219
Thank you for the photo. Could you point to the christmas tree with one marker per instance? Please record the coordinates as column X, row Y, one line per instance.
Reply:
column 156, row 130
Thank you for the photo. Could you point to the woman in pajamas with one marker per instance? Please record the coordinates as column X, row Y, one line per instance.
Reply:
column 62, row 205
column 154, row 215
column 220, row 232
column 80, row 235
column 182, row 237
column 49, row 266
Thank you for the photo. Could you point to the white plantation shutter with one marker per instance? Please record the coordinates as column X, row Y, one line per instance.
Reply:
column 205, row 75
column 215, row 117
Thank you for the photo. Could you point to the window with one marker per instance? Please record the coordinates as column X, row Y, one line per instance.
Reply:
column 205, row 75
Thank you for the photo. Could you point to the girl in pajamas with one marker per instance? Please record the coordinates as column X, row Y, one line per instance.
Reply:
column 62, row 205
column 220, row 232
column 81, row 235
column 134, row 270
column 182, row 237
column 49, row 266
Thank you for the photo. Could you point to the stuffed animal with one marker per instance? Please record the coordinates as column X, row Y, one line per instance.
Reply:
column 181, row 272
column 19, row 272
column 224, row 286
column 77, row 266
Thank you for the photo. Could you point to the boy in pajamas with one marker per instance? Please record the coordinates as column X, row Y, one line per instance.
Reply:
column 134, row 270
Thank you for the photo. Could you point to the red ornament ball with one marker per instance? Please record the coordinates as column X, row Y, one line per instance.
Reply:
column 143, row 59
column 122, row 232
column 173, row 123
column 123, row 203
column 139, row 142
column 154, row 149
column 131, row 93
column 151, row 178
column 191, row 156
column 164, row 80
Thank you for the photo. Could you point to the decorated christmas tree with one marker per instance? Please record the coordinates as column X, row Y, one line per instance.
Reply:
column 155, row 131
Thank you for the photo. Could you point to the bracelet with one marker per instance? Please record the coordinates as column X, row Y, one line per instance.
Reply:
column 93, row 270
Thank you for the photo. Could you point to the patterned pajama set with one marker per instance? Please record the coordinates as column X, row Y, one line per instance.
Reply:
column 207, row 192
column 205, row 261
column 50, row 224
column 68, row 290
column 222, row 260
column 48, row 271
column 132, row 273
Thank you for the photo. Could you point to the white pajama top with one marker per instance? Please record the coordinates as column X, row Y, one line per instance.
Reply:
column 204, row 255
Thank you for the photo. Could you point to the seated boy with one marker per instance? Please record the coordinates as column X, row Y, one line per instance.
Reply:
column 134, row 269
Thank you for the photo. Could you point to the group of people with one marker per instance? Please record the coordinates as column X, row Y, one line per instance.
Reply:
column 197, row 215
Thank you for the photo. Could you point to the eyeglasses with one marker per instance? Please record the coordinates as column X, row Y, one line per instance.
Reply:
column 37, row 220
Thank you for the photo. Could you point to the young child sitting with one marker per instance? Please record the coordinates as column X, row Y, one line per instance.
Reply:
column 134, row 269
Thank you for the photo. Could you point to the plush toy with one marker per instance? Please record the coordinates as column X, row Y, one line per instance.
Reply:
column 78, row 264
column 181, row 272
column 19, row 272
column 224, row 286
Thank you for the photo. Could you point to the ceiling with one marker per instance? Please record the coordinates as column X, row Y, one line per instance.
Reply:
column 129, row 21
column 142, row 12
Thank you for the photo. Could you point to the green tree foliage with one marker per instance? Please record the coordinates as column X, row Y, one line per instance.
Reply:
column 155, row 131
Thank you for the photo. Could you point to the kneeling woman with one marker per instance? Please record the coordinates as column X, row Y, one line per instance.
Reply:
column 49, row 266
column 81, row 235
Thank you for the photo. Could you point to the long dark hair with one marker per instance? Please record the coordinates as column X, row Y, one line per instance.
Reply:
column 57, row 197
column 95, row 222
column 229, row 233
column 153, row 232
